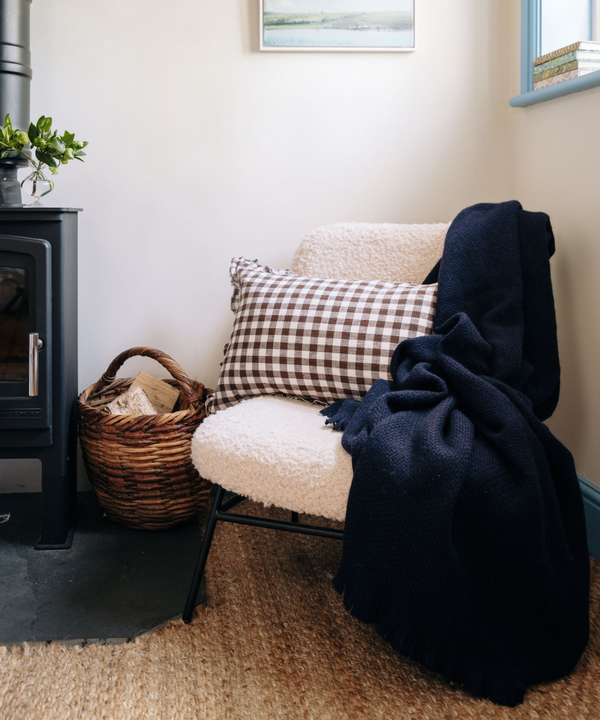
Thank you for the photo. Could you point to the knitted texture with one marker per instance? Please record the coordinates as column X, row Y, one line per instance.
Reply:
column 465, row 537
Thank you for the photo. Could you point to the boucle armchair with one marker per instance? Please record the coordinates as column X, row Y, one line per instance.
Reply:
column 277, row 450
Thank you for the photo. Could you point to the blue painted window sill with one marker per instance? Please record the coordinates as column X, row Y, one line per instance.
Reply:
column 563, row 88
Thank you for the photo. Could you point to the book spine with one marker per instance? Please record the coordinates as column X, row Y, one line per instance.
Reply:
column 567, row 67
column 582, row 55
column 560, row 78
column 581, row 45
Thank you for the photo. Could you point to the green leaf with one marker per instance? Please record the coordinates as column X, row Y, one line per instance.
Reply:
column 44, row 124
column 57, row 145
column 32, row 132
column 45, row 158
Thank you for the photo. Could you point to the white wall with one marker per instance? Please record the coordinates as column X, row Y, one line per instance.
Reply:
column 202, row 148
column 555, row 159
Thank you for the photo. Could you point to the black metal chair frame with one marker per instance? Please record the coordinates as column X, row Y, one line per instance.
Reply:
column 220, row 511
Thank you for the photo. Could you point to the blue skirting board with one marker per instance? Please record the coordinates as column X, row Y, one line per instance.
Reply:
column 591, row 504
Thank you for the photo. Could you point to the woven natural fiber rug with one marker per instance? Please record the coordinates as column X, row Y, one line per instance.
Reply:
column 273, row 642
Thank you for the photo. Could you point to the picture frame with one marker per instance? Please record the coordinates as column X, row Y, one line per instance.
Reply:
column 337, row 25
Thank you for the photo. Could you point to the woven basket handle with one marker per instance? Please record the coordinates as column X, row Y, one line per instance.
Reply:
column 165, row 360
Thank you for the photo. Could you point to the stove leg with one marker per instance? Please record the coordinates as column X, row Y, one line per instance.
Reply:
column 59, row 516
column 59, row 486
column 59, row 496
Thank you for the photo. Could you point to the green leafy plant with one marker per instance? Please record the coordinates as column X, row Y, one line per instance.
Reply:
column 50, row 149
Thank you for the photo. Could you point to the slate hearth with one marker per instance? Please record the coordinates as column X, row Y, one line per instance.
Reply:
column 114, row 582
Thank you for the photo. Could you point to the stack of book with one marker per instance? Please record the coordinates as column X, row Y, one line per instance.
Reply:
column 577, row 59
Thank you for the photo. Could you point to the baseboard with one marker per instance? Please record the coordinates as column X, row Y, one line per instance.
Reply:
column 591, row 504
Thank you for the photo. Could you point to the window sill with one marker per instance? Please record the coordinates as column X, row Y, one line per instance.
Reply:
column 563, row 88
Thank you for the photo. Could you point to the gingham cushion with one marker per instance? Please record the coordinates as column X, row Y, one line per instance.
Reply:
column 313, row 338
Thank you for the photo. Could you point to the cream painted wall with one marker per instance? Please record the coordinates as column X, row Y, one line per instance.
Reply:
column 555, row 158
column 202, row 148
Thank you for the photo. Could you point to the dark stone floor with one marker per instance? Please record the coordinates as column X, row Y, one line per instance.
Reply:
column 114, row 582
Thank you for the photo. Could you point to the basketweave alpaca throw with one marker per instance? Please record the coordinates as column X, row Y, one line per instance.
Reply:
column 465, row 536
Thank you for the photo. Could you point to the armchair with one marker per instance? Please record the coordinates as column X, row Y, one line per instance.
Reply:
column 277, row 450
column 464, row 531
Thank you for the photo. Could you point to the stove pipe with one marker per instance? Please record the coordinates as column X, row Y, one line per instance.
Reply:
column 15, row 82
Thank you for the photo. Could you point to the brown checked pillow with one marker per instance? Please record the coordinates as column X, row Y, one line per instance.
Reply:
column 315, row 338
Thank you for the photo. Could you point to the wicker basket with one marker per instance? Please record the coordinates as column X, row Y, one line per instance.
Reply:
column 140, row 465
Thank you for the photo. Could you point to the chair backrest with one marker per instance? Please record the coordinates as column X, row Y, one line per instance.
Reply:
column 371, row 251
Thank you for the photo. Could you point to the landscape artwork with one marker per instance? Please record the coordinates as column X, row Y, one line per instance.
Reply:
column 371, row 25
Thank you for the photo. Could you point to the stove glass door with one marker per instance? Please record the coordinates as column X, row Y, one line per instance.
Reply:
column 14, row 324
column 25, row 333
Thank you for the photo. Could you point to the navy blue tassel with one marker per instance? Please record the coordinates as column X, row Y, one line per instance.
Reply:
column 340, row 413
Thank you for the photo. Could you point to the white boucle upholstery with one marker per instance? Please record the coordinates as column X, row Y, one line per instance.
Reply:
column 277, row 451
column 371, row 251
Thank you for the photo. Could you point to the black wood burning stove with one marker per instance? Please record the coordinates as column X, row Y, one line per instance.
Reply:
column 38, row 356
column 38, row 308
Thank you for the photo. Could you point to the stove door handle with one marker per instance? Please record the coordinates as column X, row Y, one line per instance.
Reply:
column 35, row 345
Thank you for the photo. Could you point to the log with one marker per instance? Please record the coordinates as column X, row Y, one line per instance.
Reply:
column 162, row 396
column 133, row 402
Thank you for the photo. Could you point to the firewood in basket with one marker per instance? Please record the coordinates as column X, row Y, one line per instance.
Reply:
column 133, row 402
column 162, row 396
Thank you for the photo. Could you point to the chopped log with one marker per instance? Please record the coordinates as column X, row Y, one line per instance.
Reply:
column 162, row 396
column 133, row 402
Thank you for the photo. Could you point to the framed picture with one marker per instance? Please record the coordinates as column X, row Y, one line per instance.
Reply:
column 337, row 25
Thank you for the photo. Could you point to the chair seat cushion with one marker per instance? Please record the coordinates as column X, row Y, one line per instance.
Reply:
column 278, row 451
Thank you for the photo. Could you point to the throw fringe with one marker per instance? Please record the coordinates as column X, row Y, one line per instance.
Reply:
column 340, row 413
column 491, row 683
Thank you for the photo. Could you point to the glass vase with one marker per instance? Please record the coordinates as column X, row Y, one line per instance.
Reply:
column 36, row 186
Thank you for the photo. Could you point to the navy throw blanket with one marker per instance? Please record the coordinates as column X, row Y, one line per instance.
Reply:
column 465, row 536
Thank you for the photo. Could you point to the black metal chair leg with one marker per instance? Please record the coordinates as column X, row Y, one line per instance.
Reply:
column 203, row 555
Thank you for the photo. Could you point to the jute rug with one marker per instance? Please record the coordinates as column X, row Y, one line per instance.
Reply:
column 273, row 642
